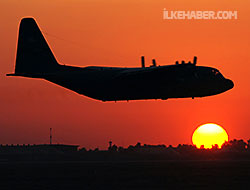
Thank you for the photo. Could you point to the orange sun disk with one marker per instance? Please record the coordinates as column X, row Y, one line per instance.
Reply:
column 208, row 135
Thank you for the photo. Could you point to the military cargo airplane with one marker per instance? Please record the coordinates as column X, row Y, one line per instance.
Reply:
column 34, row 59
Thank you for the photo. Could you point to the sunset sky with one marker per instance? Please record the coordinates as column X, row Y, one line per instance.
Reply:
column 116, row 33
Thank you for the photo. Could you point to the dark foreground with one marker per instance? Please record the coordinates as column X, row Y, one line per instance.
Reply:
column 126, row 175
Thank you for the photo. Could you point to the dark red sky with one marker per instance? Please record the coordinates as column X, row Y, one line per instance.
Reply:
column 117, row 33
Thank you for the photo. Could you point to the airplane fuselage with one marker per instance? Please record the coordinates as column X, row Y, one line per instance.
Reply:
column 160, row 82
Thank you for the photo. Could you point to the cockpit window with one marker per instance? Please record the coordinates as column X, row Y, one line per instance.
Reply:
column 208, row 74
column 217, row 73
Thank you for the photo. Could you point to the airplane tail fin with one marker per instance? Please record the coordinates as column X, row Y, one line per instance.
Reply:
column 34, row 56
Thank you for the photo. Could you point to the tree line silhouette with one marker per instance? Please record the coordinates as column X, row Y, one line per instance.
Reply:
column 233, row 150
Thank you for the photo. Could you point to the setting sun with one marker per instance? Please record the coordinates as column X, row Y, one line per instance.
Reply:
column 208, row 135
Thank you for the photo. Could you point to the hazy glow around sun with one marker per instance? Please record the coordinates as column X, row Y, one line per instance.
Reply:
column 209, row 135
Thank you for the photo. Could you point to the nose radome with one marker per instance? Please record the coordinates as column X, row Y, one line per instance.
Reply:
column 230, row 83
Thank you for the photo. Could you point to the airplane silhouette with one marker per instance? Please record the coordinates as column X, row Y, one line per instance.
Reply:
column 34, row 59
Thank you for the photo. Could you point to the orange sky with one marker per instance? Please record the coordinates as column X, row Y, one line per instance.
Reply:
column 117, row 33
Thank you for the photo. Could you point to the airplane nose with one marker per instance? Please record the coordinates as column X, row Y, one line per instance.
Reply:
column 229, row 84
